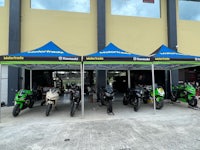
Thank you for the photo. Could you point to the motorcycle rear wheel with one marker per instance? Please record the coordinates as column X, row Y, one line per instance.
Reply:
column 16, row 110
column 49, row 106
column 193, row 102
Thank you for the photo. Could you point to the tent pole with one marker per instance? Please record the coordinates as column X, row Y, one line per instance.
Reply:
column 82, row 89
column 23, row 78
column 170, row 73
column 31, row 86
column 129, row 79
column 0, row 89
column 153, row 83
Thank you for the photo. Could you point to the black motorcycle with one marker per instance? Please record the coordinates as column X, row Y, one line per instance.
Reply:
column 106, row 98
column 75, row 98
column 134, row 96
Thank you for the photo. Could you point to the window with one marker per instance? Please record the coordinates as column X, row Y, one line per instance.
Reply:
column 2, row 3
column 189, row 10
column 139, row 8
column 82, row 6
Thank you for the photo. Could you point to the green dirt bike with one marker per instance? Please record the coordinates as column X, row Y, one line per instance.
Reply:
column 184, row 93
column 23, row 99
column 159, row 95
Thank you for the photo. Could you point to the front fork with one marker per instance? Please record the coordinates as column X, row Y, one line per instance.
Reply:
column 20, row 103
column 190, row 97
column 159, row 98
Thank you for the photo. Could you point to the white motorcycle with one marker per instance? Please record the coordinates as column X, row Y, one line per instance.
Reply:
column 52, row 97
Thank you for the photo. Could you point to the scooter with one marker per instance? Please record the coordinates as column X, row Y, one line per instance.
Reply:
column 52, row 97
column 23, row 99
column 184, row 93
column 159, row 95
column 75, row 98
column 106, row 98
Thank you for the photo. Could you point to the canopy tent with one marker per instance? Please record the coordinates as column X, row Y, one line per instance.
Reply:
column 165, row 58
column 113, row 58
column 47, row 57
column 50, row 55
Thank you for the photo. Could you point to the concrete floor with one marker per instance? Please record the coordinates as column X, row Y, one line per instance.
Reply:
column 175, row 127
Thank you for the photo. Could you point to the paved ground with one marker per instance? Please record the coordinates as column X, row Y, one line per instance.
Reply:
column 175, row 127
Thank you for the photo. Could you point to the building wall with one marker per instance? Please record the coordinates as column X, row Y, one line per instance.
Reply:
column 77, row 32
column 74, row 32
column 4, row 28
column 188, row 36
column 4, row 84
column 137, row 34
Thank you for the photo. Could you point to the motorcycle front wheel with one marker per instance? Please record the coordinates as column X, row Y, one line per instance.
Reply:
column 173, row 97
column 16, row 110
column 125, row 100
column 145, row 100
column 49, row 106
column 73, row 108
column 136, row 104
column 193, row 102
column 31, row 104
column 109, row 107
column 159, row 104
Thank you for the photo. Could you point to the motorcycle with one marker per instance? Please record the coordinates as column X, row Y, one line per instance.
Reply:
column 159, row 95
column 52, row 97
column 134, row 97
column 106, row 98
column 185, row 93
column 23, row 99
column 75, row 98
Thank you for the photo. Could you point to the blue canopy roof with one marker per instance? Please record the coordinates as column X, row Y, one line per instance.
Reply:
column 113, row 53
column 111, row 58
column 163, row 53
column 48, row 52
column 165, row 58
column 49, row 56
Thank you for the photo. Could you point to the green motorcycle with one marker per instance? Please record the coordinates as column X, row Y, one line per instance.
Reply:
column 23, row 99
column 184, row 93
column 159, row 96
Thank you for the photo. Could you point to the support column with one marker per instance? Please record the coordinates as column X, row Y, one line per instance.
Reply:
column 14, row 46
column 101, row 40
column 172, row 41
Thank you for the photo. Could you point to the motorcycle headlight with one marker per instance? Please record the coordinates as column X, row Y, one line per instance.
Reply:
column 141, row 92
column 138, row 94
column 109, row 94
